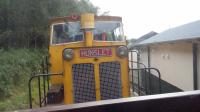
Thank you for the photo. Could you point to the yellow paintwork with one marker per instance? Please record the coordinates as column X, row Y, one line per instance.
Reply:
column 87, row 24
column 88, row 38
column 97, row 81
column 60, row 65
column 67, row 65
column 87, row 21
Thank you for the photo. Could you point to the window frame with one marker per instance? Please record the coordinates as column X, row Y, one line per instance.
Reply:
column 124, row 39
column 51, row 34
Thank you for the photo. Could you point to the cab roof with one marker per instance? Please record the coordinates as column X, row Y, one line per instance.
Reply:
column 77, row 18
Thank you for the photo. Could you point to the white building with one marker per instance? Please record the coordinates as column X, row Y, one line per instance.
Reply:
column 176, row 53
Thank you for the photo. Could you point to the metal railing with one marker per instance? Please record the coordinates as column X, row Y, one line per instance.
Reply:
column 45, row 83
column 138, row 87
column 41, row 100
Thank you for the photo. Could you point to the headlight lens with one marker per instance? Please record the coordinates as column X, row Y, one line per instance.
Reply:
column 122, row 51
column 68, row 54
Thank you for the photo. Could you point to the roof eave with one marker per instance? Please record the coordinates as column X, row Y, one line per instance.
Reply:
column 172, row 41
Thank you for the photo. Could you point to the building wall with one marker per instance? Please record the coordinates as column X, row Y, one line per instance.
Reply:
column 144, row 56
column 174, row 61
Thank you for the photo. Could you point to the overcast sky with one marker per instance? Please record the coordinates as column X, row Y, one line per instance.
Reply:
column 142, row 16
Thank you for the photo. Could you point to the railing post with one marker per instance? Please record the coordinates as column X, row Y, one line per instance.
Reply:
column 132, row 72
column 44, row 81
column 160, row 88
column 30, row 95
column 148, row 56
column 47, row 70
column 145, row 78
column 159, row 81
column 139, row 84
column 149, row 80
column 39, row 90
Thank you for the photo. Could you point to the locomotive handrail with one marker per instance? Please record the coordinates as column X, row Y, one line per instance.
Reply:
column 134, row 51
column 145, row 70
column 159, row 75
column 38, row 76
column 138, row 63
column 138, row 75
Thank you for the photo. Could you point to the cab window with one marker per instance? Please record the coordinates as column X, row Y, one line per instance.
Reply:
column 108, row 31
column 66, row 33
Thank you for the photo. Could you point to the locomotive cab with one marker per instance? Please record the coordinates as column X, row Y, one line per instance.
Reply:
column 91, row 53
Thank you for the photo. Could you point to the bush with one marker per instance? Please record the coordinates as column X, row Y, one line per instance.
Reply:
column 15, row 70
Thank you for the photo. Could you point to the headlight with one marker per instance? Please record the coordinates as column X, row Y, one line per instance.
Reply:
column 122, row 51
column 68, row 54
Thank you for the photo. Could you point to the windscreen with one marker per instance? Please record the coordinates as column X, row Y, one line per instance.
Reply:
column 108, row 31
column 103, row 31
column 66, row 32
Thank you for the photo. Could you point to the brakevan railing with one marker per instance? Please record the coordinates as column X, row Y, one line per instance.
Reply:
column 171, row 102
column 45, row 85
column 44, row 99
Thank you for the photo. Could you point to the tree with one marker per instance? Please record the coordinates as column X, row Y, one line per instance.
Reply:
column 24, row 23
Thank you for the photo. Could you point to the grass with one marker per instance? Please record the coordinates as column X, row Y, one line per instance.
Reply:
column 16, row 67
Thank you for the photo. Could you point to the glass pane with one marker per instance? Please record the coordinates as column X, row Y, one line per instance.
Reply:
column 108, row 31
column 65, row 33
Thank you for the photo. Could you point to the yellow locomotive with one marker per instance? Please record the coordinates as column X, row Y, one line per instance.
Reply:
column 90, row 52
column 89, row 62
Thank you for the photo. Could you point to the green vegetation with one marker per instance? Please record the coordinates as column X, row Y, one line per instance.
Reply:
column 17, row 65
column 24, row 30
column 24, row 23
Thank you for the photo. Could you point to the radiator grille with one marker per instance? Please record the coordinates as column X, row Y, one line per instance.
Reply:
column 83, row 83
column 110, row 80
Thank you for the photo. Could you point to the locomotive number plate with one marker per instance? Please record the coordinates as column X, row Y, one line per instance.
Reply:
column 95, row 52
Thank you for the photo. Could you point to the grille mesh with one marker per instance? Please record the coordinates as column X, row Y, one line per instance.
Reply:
column 83, row 82
column 110, row 80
